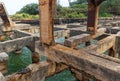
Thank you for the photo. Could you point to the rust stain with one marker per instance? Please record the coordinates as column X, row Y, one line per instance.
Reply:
column 90, row 28
column 43, row 3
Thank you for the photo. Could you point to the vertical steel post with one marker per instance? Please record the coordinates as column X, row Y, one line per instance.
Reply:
column 92, row 20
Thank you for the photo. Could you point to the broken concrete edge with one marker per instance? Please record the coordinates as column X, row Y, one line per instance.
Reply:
column 104, row 56
column 75, row 40
column 18, row 43
column 94, row 65
column 26, row 33
column 3, row 62
column 102, row 45
column 3, row 56
column 37, row 72
column 2, row 78
column 24, row 39
column 117, row 43
column 6, row 20
column 118, row 34
column 22, row 33
column 100, row 31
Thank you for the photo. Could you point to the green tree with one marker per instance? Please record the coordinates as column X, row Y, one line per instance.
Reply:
column 78, row 2
column 110, row 6
column 31, row 9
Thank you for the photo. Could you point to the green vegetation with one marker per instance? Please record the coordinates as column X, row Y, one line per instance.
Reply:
column 31, row 9
column 70, row 12
column 24, row 16
column 105, row 15
column 108, row 8
column 77, row 9
column 111, row 7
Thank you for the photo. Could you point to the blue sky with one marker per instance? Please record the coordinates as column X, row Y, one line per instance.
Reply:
column 15, row 5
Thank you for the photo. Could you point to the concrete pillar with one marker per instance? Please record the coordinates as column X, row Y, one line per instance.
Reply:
column 46, row 14
column 116, row 46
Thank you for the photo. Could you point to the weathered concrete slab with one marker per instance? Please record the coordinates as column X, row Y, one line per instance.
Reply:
column 102, row 45
column 19, row 34
column 100, row 31
column 26, row 27
column 39, row 48
column 3, row 57
column 103, row 69
column 74, row 25
column 118, row 33
column 101, row 37
column 114, row 24
column 37, row 73
column 55, row 68
column 61, row 33
column 117, row 43
column 115, row 30
column 76, row 40
column 19, row 40
column 2, row 78
column 3, row 62
column 15, row 44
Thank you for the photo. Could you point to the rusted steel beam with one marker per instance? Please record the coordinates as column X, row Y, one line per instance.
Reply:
column 100, row 68
column 46, row 21
column 102, row 45
column 6, row 20
column 96, row 2
column 92, row 20
column 74, row 41
column 34, row 72
column 54, row 5
column 55, row 68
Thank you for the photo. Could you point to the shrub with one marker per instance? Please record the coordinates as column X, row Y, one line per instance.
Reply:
column 24, row 16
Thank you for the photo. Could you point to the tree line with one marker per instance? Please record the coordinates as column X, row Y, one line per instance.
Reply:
column 76, row 9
